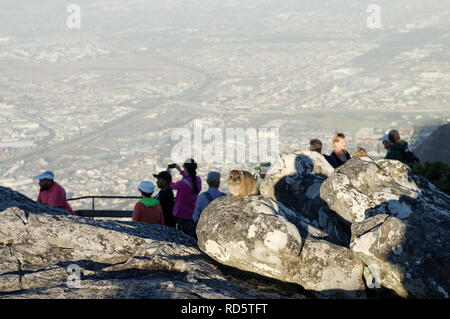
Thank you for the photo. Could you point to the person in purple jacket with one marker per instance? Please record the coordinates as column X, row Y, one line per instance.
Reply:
column 187, row 189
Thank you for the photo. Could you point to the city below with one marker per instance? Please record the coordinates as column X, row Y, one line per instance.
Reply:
column 99, row 105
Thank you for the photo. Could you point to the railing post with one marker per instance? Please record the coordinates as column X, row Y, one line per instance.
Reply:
column 93, row 205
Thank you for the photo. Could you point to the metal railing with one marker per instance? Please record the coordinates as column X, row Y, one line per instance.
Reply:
column 103, row 212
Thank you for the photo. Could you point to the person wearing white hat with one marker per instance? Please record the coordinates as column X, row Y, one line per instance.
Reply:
column 51, row 193
column 148, row 209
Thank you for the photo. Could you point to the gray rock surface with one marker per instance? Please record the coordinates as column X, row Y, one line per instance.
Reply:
column 298, row 162
column 253, row 234
column 296, row 183
column 400, row 225
column 114, row 259
column 362, row 184
column 325, row 230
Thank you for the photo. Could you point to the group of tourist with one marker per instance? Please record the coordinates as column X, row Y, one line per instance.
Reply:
column 339, row 155
column 183, row 210
column 397, row 149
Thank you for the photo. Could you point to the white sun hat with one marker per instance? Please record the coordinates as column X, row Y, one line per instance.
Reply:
column 146, row 187
column 46, row 175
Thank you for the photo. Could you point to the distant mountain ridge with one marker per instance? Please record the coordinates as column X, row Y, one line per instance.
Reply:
column 435, row 147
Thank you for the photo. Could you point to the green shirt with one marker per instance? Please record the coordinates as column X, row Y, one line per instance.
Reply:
column 397, row 150
column 149, row 201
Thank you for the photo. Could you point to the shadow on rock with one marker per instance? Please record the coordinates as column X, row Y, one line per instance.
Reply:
column 253, row 234
column 297, row 184
column 399, row 228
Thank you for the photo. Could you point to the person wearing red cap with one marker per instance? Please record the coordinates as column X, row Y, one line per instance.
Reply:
column 51, row 193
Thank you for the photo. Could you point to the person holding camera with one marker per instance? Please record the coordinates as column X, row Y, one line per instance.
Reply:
column 187, row 189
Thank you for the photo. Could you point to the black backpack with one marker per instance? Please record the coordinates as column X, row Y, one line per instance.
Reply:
column 209, row 197
column 409, row 157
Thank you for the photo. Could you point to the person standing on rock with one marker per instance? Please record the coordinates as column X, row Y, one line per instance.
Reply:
column 165, row 197
column 187, row 189
column 51, row 193
column 203, row 200
column 148, row 209
column 339, row 153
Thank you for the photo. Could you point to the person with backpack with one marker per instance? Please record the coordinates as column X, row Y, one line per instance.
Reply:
column 187, row 189
column 399, row 149
column 203, row 200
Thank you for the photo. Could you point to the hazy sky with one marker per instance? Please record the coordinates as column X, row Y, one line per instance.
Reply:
column 24, row 18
